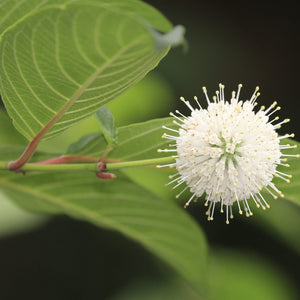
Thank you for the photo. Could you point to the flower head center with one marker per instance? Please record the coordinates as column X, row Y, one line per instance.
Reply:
column 230, row 148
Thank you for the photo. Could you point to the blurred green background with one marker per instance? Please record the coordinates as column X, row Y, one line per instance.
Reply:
column 249, row 42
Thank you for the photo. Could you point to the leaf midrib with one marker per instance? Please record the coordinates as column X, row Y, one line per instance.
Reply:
column 84, row 86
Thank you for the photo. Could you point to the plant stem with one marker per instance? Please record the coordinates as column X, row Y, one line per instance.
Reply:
column 91, row 167
column 66, row 159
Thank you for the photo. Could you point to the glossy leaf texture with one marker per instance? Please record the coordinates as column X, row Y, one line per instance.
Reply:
column 160, row 226
column 64, row 61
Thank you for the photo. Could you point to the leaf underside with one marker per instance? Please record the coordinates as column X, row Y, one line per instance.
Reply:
column 63, row 62
column 161, row 226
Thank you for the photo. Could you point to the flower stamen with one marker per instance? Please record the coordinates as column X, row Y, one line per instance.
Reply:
column 228, row 152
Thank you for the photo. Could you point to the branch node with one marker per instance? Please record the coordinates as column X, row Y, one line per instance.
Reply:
column 101, row 171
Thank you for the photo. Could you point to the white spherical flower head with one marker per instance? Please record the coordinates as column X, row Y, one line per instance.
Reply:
column 228, row 152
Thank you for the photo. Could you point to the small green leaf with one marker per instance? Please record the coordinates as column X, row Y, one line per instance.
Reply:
column 107, row 125
column 84, row 142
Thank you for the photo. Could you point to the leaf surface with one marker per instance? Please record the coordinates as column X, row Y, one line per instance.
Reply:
column 135, row 141
column 291, row 190
column 63, row 62
column 107, row 125
column 160, row 226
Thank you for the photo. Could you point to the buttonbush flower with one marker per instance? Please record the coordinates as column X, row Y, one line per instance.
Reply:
column 228, row 152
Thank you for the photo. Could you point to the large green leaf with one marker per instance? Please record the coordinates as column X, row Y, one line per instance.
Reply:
column 65, row 61
column 161, row 226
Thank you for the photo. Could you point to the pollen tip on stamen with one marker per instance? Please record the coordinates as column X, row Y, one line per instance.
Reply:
column 227, row 222
column 281, row 195
column 195, row 98
column 240, row 85
column 222, row 211
column 164, row 135
column 257, row 205
column 275, row 197
column 182, row 98
column 278, row 108
column 287, row 120
column 292, row 135
column 158, row 166
column 257, row 88
column 235, row 184
column 186, row 205
column 159, row 150
column 217, row 192
column 204, row 89
column 240, row 212
column 268, row 205
column 171, row 114
column 262, row 108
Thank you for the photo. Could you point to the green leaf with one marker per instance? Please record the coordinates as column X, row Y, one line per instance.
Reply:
column 291, row 190
column 234, row 275
column 136, row 141
column 281, row 221
column 107, row 125
column 64, row 62
column 84, row 142
column 14, row 220
column 8, row 134
column 160, row 226
column 159, row 289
